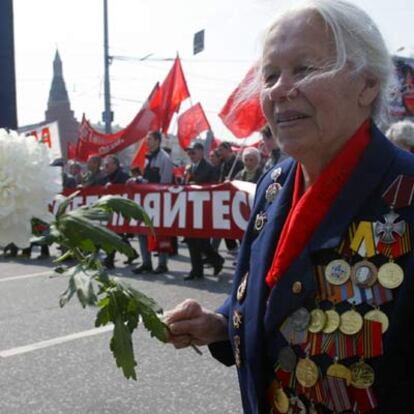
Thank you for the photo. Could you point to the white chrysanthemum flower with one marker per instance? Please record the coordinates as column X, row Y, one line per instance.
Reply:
column 28, row 185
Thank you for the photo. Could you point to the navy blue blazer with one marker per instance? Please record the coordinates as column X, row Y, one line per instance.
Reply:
column 263, row 312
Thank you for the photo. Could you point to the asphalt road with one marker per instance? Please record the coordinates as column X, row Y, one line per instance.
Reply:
column 45, row 368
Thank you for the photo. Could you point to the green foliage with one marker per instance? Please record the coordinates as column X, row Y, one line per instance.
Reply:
column 83, row 232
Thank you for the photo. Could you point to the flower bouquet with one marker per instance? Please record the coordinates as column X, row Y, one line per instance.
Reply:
column 28, row 184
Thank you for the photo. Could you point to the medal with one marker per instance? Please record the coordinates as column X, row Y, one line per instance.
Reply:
column 287, row 359
column 300, row 319
column 390, row 275
column 351, row 322
column 272, row 191
column 390, row 227
column 280, row 400
column 237, row 319
column 275, row 174
column 317, row 320
column 364, row 274
column 260, row 221
column 339, row 371
column 297, row 406
column 362, row 375
column 332, row 321
column 237, row 352
column 241, row 290
column 307, row 372
column 337, row 272
column 378, row 316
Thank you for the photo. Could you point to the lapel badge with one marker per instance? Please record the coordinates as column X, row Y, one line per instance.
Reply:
column 237, row 319
column 275, row 174
column 272, row 191
column 386, row 230
column 241, row 290
column 237, row 351
column 260, row 221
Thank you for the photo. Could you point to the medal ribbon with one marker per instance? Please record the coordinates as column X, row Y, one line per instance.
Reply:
column 338, row 394
column 400, row 193
column 369, row 343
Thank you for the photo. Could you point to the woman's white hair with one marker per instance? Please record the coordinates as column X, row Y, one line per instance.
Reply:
column 402, row 132
column 357, row 40
column 252, row 151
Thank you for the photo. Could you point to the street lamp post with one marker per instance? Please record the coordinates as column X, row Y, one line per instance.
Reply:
column 107, row 114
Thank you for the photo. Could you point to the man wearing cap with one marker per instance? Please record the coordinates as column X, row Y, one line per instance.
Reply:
column 200, row 171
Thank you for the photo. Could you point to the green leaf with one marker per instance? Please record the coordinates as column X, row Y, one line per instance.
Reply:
column 127, row 208
column 90, row 213
column 65, row 203
column 65, row 256
column 150, row 312
column 121, row 347
column 84, row 288
column 81, row 232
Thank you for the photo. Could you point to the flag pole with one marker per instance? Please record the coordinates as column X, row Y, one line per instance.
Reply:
column 236, row 158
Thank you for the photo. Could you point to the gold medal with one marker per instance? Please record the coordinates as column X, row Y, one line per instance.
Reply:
column 332, row 321
column 337, row 272
column 378, row 316
column 340, row 371
column 241, row 290
column 317, row 320
column 351, row 322
column 390, row 275
column 362, row 375
column 281, row 400
column 307, row 372
column 364, row 274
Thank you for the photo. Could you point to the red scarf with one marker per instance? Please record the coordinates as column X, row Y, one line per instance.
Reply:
column 308, row 210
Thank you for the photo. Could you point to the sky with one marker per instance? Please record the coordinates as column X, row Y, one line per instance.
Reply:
column 159, row 28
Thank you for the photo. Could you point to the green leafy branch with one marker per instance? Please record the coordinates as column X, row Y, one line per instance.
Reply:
column 82, row 233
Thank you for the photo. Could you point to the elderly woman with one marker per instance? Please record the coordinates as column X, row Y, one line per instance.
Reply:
column 402, row 134
column 252, row 170
column 320, row 317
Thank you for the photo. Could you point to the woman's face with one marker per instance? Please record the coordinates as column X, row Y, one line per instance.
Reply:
column 250, row 162
column 311, row 119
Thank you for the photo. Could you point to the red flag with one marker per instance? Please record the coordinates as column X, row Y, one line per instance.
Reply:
column 190, row 124
column 94, row 142
column 246, row 117
column 138, row 160
column 71, row 151
column 173, row 91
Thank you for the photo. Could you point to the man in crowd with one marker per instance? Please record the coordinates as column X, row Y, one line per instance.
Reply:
column 158, row 169
column 272, row 148
column 200, row 171
column 94, row 176
column 229, row 168
column 114, row 173
column 231, row 165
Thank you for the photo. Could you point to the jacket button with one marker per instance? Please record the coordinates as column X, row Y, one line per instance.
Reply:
column 297, row 287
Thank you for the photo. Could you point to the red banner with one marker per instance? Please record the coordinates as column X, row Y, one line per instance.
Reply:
column 216, row 210
column 92, row 142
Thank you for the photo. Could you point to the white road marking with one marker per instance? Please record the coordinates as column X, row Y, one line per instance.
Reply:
column 54, row 341
column 27, row 276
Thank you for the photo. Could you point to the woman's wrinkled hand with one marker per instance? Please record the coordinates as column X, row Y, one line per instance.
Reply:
column 191, row 324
